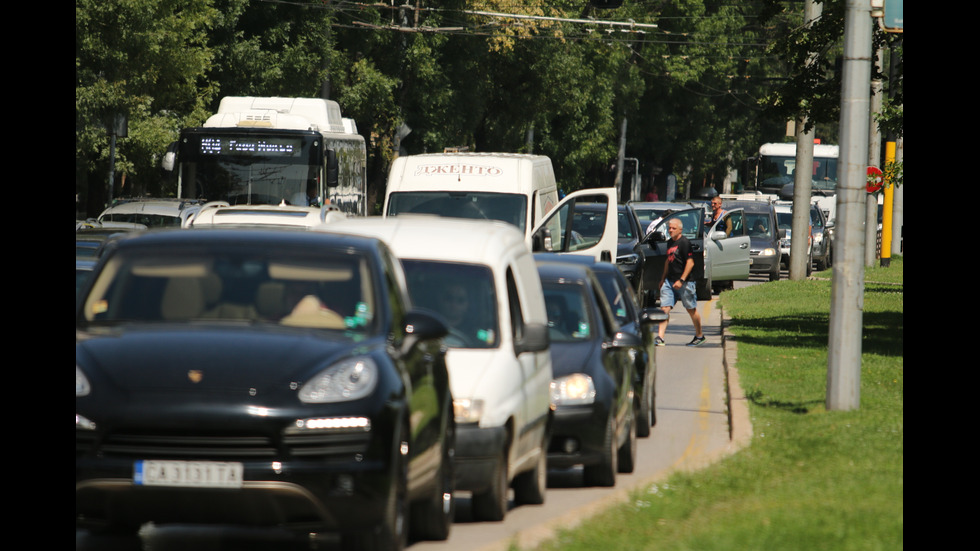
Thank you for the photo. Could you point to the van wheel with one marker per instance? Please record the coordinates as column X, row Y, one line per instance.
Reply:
column 530, row 486
column 491, row 505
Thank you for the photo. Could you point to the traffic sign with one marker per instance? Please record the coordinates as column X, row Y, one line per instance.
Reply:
column 875, row 179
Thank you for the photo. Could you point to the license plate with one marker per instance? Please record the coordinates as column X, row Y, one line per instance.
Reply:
column 192, row 474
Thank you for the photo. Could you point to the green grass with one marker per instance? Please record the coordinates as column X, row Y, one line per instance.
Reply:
column 811, row 479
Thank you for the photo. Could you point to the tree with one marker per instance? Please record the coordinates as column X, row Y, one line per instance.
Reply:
column 146, row 59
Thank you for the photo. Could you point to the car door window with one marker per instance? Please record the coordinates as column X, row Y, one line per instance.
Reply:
column 578, row 224
column 733, row 220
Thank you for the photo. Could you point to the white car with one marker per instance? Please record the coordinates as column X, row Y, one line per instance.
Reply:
column 220, row 213
column 481, row 276
column 148, row 212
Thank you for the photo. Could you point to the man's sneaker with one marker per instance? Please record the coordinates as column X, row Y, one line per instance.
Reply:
column 659, row 342
column 697, row 341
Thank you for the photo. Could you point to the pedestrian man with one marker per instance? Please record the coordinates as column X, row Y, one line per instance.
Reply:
column 716, row 213
column 674, row 282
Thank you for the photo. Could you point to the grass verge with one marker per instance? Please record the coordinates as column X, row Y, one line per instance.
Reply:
column 811, row 478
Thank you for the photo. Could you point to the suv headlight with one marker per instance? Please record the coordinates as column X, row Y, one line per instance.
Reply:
column 628, row 259
column 351, row 379
column 573, row 390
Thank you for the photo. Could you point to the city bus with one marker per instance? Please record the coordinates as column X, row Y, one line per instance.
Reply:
column 775, row 166
column 292, row 151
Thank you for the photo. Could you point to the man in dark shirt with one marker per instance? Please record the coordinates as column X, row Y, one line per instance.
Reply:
column 674, row 282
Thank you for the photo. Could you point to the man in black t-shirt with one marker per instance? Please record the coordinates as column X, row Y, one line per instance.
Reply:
column 674, row 282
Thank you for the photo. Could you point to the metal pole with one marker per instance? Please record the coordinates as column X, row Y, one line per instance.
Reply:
column 847, row 291
column 886, row 215
column 620, row 158
column 874, row 159
column 898, row 208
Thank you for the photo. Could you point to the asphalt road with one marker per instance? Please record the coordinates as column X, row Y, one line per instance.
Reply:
column 698, row 422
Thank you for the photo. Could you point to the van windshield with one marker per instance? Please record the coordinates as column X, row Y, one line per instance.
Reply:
column 463, row 294
column 506, row 207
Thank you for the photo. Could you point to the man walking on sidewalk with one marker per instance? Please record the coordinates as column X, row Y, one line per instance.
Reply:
column 674, row 284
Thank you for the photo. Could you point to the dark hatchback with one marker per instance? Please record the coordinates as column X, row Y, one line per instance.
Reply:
column 204, row 396
column 643, row 323
column 594, row 366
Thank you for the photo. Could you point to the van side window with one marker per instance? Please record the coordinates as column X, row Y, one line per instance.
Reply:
column 514, row 302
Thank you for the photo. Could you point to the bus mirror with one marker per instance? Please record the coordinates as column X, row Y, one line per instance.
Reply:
column 170, row 157
column 332, row 169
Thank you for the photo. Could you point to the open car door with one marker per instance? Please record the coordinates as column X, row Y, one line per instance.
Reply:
column 728, row 247
column 583, row 223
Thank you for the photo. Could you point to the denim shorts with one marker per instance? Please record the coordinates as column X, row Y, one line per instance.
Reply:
column 688, row 293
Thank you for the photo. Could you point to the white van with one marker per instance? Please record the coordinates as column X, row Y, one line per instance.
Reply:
column 516, row 188
column 482, row 278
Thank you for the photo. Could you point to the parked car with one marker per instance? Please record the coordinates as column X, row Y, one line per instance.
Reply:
column 764, row 234
column 269, row 378
column 594, row 369
column 481, row 277
column 632, row 318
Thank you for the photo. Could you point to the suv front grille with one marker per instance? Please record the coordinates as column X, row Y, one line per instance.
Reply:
column 220, row 446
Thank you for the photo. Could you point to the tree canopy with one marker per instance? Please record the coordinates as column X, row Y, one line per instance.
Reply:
column 699, row 83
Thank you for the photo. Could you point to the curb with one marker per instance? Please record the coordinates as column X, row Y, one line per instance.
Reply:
column 739, row 421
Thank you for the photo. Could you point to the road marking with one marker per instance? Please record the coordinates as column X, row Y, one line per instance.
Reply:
column 696, row 445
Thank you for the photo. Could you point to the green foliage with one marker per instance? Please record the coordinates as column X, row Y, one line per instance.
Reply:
column 126, row 63
column 697, row 92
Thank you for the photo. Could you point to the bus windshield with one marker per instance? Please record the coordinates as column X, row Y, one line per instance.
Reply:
column 777, row 171
column 251, row 168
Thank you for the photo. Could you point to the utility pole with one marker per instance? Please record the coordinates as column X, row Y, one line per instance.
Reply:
column 847, row 291
column 620, row 158
column 874, row 159
column 803, row 177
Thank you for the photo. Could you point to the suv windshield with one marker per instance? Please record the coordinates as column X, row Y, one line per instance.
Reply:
column 463, row 293
column 281, row 287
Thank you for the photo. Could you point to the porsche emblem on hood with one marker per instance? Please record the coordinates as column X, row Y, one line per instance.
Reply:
column 195, row 375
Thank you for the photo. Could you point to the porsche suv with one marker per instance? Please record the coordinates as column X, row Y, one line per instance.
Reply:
column 266, row 378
